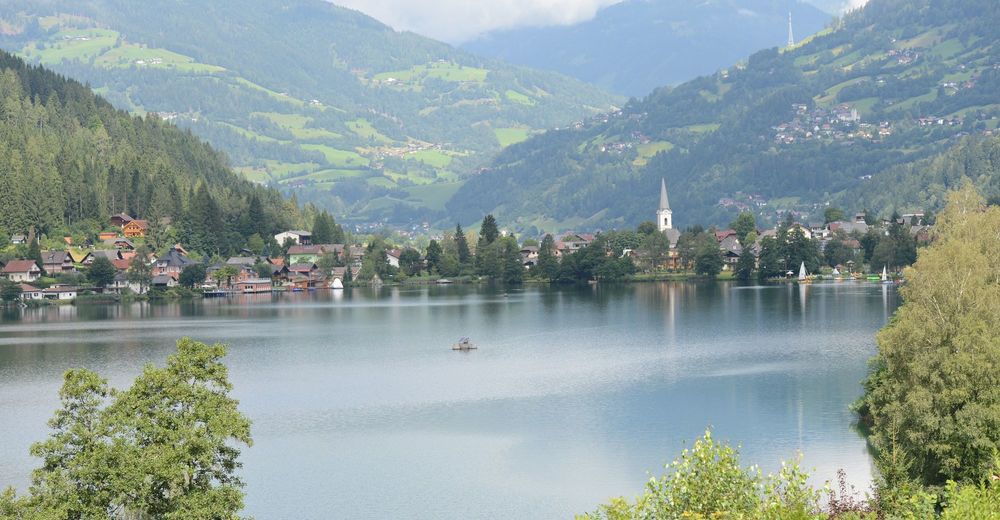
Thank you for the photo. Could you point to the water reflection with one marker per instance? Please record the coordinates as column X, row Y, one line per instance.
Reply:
column 575, row 394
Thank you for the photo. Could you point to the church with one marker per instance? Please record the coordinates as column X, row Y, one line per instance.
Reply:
column 665, row 216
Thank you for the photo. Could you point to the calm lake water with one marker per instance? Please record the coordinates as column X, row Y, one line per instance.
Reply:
column 361, row 410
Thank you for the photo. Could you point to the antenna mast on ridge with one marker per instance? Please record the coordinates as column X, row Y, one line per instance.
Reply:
column 791, row 36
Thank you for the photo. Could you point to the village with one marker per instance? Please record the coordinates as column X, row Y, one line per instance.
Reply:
column 118, row 266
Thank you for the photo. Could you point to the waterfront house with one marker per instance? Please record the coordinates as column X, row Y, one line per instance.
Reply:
column 164, row 281
column 172, row 264
column 305, row 254
column 254, row 285
column 301, row 238
column 135, row 229
column 60, row 292
column 121, row 283
column 392, row 257
column 30, row 292
column 529, row 256
column 20, row 271
column 55, row 262
column 307, row 269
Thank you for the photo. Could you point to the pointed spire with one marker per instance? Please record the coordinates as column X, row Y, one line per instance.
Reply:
column 664, row 203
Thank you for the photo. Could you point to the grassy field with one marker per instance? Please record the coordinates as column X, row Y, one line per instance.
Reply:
column 648, row 150
column 519, row 98
column 297, row 125
column 432, row 158
column 364, row 129
column 73, row 44
column 338, row 158
column 509, row 136
column 433, row 196
column 442, row 71
column 129, row 55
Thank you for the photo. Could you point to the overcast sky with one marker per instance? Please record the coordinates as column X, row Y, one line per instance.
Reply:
column 456, row 21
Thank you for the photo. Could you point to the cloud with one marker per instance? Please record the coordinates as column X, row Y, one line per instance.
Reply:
column 855, row 4
column 455, row 21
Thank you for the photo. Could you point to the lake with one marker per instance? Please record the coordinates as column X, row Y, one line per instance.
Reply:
column 361, row 410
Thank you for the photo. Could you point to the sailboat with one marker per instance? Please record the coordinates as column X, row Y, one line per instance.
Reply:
column 836, row 274
column 803, row 278
column 337, row 283
column 885, row 275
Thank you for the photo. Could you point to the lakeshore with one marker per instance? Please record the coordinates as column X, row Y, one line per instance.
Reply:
column 356, row 390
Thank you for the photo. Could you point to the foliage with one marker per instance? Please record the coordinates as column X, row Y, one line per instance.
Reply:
column 301, row 97
column 192, row 275
column 932, row 395
column 745, row 266
column 707, row 481
column 163, row 448
column 68, row 159
column 101, row 272
column 9, row 291
column 140, row 272
column 723, row 128
column 744, row 224
column 547, row 266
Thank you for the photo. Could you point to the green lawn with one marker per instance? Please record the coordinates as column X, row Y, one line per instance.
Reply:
column 509, row 136
column 74, row 44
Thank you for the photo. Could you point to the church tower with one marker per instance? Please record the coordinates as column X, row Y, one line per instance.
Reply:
column 664, row 217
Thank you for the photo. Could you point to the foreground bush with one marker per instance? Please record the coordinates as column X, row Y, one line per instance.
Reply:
column 707, row 482
column 160, row 449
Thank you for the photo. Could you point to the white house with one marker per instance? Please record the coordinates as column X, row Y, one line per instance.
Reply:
column 302, row 238
column 59, row 292
column 30, row 292
column 392, row 257
column 22, row 271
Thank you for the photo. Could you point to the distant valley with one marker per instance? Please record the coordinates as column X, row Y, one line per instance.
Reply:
column 635, row 46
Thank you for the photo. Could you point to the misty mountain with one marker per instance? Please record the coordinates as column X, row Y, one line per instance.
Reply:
column 638, row 45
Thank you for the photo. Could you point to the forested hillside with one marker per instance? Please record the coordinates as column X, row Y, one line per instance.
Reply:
column 69, row 160
column 308, row 96
column 636, row 46
column 839, row 119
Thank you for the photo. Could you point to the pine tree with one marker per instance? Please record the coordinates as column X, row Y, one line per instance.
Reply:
column 462, row 246
column 489, row 232
column 548, row 264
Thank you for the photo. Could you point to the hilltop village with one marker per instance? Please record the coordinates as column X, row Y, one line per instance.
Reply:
column 118, row 262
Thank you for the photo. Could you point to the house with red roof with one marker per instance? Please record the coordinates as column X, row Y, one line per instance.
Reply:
column 22, row 271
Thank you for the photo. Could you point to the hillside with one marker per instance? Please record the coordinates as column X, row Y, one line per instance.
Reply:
column 638, row 45
column 787, row 130
column 69, row 160
column 314, row 98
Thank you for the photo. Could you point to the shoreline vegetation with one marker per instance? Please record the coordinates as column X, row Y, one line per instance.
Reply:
column 930, row 411
column 168, row 446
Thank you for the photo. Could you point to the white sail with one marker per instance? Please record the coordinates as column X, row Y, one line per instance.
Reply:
column 885, row 274
column 802, row 271
column 337, row 284
column 836, row 272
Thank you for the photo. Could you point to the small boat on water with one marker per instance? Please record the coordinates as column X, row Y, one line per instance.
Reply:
column 885, row 276
column 464, row 344
column 337, row 284
column 803, row 276
column 836, row 275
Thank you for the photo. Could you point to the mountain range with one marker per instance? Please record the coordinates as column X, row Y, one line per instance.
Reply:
column 849, row 117
column 635, row 46
column 317, row 100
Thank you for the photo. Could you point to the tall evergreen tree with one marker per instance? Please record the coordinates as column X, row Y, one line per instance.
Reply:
column 489, row 231
column 462, row 246
column 548, row 264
